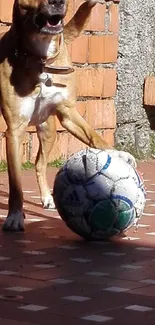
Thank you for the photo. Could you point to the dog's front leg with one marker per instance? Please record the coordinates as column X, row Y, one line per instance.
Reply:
column 72, row 121
column 46, row 134
column 14, row 139
column 79, row 21
column 77, row 126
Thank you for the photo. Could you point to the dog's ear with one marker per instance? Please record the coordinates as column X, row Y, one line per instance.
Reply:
column 29, row 3
column 22, row 6
column 20, row 9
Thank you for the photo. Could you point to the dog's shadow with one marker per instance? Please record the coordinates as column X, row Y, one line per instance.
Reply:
column 4, row 206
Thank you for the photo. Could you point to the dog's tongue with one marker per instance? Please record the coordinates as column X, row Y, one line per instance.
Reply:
column 53, row 25
column 49, row 25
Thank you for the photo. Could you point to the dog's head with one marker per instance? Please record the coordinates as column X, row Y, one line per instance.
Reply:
column 39, row 16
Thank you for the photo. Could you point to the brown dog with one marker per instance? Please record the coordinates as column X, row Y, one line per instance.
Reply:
column 37, row 82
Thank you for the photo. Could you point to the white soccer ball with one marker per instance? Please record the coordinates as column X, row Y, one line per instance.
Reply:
column 98, row 194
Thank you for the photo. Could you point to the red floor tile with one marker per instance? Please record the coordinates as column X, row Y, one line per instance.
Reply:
column 121, row 264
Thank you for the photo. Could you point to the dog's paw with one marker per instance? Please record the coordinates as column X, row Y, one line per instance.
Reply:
column 48, row 202
column 14, row 222
column 124, row 155
column 128, row 158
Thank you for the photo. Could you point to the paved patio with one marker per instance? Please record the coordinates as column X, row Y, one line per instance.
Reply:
column 50, row 276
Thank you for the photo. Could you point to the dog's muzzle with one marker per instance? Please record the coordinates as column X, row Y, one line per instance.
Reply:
column 49, row 25
column 50, row 19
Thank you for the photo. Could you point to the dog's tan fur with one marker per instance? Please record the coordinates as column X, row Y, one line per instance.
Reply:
column 20, row 84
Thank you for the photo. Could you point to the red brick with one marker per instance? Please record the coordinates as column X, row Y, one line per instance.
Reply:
column 80, row 49
column 2, row 124
column 114, row 18
column 60, row 148
column 108, row 135
column 97, row 18
column 109, row 83
column 103, row 48
column 149, row 93
column 101, row 114
column 64, row 146
column 74, row 145
column 96, row 82
column 81, row 107
column 6, row 10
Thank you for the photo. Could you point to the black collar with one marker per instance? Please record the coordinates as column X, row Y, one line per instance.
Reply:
column 44, row 63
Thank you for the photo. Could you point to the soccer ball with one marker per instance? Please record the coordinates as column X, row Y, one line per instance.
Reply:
column 98, row 194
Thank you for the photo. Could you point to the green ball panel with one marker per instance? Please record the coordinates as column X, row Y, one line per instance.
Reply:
column 124, row 219
column 103, row 216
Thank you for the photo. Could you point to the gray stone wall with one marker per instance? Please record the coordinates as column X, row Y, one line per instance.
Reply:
column 136, row 60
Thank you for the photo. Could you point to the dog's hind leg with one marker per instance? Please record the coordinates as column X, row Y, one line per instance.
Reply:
column 46, row 134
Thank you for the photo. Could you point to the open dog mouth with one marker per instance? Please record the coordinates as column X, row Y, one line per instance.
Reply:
column 49, row 25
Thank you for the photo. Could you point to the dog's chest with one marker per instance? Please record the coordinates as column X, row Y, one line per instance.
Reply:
column 37, row 107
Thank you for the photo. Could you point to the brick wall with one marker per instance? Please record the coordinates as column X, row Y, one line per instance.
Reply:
column 94, row 55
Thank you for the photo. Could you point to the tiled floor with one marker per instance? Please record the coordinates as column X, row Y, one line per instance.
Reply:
column 50, row 276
